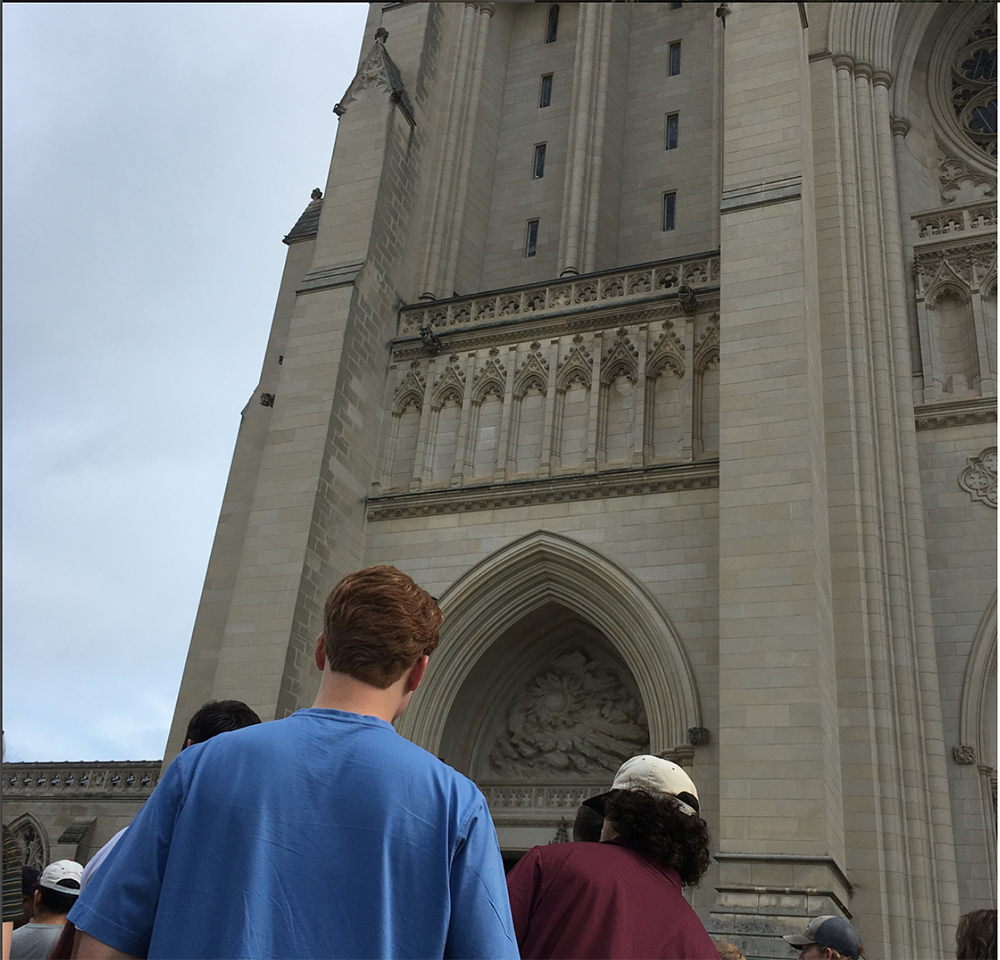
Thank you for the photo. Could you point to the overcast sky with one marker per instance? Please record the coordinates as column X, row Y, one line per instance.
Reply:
column 154, row 156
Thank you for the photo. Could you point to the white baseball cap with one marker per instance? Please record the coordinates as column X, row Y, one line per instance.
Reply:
column 63, row 876
column 656, row 775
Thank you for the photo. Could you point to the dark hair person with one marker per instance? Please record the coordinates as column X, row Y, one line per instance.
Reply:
column 976, row 936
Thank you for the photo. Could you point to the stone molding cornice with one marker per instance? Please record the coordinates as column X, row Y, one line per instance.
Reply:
column 792, row 859
column 955, row 413
column 518, row 493
column 127, row 780
column 761, row 194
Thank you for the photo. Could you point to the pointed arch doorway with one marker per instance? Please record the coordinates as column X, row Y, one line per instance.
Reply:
column 554, row 666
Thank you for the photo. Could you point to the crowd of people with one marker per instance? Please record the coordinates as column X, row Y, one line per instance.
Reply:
column 326, row 834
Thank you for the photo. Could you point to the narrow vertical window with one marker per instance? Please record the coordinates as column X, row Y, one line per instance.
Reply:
column 669, row 210
column 674, row 64
column 672, row 123
column 538, row 165
column 531, row 239
column 545, row 94
column 553, row 25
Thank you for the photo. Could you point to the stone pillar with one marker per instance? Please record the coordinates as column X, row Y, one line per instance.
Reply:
column 780, row 832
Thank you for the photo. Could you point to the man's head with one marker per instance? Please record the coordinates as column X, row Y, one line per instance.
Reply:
column 588, row 825
column 218, row 716
column 29, row 883
column 58, row 888
column 652, row 807
column 377, row 623
column 828, row 938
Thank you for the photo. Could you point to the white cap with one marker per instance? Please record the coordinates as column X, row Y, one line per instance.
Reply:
column 63, row 876
column 656, row 775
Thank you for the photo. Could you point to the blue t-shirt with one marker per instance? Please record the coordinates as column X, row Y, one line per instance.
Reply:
column 325, row 834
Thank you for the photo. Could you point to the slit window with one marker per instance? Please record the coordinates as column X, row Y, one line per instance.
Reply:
column 545, row 94
column 675, row 6
column 531, row 239
column 672, row 126
column 538, row 164
column 674, row 62
column 669, row 210
column 552, row 27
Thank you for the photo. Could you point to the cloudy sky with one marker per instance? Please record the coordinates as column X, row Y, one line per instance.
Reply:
column 154, row 155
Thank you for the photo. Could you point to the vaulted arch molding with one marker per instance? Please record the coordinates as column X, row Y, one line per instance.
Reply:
column 864, row 32
column 529, row 574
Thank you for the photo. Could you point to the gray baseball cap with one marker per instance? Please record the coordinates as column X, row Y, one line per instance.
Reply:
column 833, row 932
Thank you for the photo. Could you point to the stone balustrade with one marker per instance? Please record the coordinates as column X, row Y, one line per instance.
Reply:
column 646, row 282
column 938, row 224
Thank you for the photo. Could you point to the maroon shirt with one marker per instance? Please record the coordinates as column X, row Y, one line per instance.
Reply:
column 576, row 901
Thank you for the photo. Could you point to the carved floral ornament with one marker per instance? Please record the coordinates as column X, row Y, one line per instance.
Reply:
column 979, row 478
column 575, row 717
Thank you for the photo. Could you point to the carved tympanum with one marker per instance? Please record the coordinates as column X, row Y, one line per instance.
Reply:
column 577, row 716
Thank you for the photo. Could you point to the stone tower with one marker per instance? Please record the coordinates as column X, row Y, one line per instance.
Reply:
column 658, row 341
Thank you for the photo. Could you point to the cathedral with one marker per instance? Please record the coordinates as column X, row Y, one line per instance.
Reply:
column 658, row 342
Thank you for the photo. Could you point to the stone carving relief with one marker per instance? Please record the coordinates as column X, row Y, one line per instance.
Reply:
column 620, row 360
column 575, row 717
column 449, row 386
column 410, row 392
column 979, row 478
column 961, row 184
column 534, row 373
column 963, row 754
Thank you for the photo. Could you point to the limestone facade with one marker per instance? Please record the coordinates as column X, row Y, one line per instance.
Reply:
column 689, row 425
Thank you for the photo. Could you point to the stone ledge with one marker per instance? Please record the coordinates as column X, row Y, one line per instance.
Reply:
column 338, row 276
column 955, row 413
column 517, row 493
column 761, row 194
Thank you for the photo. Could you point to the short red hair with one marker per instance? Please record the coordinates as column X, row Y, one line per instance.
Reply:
column 377, row 623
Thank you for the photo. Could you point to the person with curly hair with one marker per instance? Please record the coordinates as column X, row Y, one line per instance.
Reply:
column 620, row 897
column 976, row 937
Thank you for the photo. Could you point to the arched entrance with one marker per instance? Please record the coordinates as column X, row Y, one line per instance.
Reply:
column 554, row 666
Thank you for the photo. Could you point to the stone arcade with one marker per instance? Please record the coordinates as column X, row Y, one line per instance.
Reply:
column 658, row 341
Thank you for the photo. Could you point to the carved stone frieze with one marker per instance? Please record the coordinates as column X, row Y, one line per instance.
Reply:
column 576, row 717
column 934, row 416
column 548, row 327
column 58, row 780
column 979, row 478
column 518, row 797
